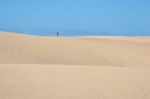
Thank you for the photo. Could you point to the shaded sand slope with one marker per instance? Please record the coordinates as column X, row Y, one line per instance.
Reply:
column 73, row 82
column 106, row 51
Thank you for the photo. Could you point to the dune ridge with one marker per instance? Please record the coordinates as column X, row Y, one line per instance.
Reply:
column 111, row 51
column 35, row 67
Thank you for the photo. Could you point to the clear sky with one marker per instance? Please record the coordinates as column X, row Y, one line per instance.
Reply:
column 76, row 17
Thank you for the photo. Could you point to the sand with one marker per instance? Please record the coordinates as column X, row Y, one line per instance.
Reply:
column 104, row 67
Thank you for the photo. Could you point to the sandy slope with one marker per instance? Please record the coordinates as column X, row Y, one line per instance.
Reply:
column 106, row 51
column 33, row 67
column 73, row 82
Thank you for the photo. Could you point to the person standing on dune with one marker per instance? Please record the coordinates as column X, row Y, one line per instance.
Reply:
column 57, row 33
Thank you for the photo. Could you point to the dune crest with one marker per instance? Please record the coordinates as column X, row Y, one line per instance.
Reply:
column 106, row 51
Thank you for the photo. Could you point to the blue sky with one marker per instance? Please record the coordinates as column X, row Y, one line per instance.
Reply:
column 76, row 17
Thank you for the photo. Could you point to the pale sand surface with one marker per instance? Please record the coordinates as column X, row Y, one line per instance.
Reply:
column 73, row 82
column 34, row 67
column 106, row 51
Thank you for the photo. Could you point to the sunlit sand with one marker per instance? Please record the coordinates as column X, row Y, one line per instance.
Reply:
column 104, row 67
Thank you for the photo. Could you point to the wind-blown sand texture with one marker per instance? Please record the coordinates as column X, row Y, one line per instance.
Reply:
column 105, row 67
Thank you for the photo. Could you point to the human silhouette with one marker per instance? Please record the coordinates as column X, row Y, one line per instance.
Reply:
column 57, row 33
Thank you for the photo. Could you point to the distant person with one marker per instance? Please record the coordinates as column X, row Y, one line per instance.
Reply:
column 57, row 33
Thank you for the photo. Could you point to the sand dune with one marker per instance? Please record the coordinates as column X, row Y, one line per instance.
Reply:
column 106, row 51
column 73, row 82
column 34, row 67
